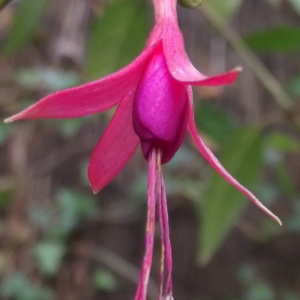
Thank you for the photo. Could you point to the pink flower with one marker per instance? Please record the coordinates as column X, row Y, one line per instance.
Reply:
column 155, row 109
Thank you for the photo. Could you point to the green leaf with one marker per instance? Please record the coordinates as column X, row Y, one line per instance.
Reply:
column 19, row 287
column 48, row 256
column 285, row 180
column 294, row 86
column 225, row 8
column 117, row 37
column 5, row 132
column 105, row 281
column 214, row 121
column 222, row 205
column 48, row 78
column 296, row 5
column 275, row 40
column 42, row 217
column 73, row 207
column 293, row 222
column 283, row 142
column 26, row 20
column 260, row 290
column 190, row 3
column 69, row 127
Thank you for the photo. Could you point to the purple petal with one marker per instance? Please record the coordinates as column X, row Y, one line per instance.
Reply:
column 214, row 162
column 160, row 109
column 115, row 147
column 89, row 98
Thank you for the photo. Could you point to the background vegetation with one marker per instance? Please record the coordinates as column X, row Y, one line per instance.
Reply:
column 59, row 241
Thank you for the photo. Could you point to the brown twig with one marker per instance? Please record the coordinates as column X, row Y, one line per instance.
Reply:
column 117, row 264
column 263, row 74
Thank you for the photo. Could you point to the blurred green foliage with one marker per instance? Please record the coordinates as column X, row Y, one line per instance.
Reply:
column 190, row 3
column 295, row 4
column 46, row 78
column 104, row 280
column 223, row 205
column 257, row 288
column 117, row 36
column 19, row 287
column 279, row 39
column 226, row 8
column 27, row 18
column 57, row 224
column 294, row 86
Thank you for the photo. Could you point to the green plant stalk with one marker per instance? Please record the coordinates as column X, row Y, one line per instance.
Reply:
column 267, row 79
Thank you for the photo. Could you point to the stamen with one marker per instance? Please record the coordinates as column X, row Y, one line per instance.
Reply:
column 167, row 242
column 150, row 227
column 164, row 231
column 156, row 196
column 162, row 240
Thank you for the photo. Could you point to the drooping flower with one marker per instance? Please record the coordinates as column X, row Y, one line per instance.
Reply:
column 155, row 109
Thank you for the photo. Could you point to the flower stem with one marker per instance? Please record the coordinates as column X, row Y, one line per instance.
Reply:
column 263, row 74
column 164, row 9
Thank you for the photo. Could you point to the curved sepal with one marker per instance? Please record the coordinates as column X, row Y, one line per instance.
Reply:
column 214, row 162
column 89, row 98
column 115, row 147
column 220, row 79
column 180, row 65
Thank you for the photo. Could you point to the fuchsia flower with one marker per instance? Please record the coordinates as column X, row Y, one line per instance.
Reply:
column 155, row 109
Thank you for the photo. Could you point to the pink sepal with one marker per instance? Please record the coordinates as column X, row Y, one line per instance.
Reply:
column 115, row 147
column 180, row 65
column 214, row 162
column 178, row 62
column 89, row 98
column 220, row 79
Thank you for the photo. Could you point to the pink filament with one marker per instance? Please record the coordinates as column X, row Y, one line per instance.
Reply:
column 150, row 227
column 156, row 196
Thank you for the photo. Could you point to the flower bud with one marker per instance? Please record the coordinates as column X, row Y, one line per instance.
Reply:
column 160, row 109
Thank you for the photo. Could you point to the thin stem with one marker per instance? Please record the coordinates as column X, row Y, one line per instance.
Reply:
column 165, row 9
column 266, row 78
